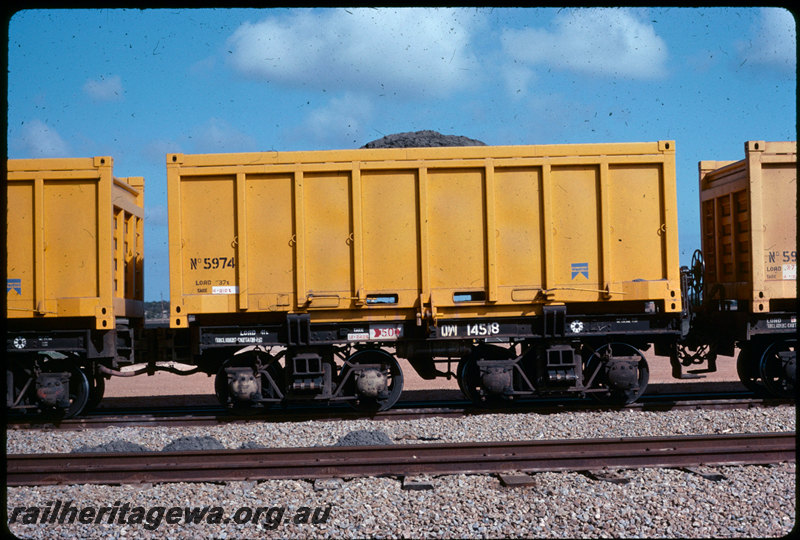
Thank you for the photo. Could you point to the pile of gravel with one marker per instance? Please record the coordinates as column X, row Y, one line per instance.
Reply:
column 185, row 444
column 361, row 437
column 252, row 445
column 181, row 444
column 116, row 445
column 419, row 139
column 364, row 437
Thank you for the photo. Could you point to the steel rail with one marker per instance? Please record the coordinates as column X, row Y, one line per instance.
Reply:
column 399, row 460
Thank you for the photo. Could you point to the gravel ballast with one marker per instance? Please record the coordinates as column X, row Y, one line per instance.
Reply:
column 487, row 427
column 746, row 501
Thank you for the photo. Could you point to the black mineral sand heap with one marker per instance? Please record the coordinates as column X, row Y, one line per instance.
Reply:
column 421, row 139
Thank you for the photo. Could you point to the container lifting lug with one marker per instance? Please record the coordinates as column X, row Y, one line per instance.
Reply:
column 607, row 291
column 427, row 312
column 361, row 297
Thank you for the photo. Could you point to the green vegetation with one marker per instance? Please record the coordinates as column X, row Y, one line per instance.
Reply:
column 156, row 310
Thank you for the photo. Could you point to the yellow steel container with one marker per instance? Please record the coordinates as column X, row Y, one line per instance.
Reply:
column 749, row 222
column 74, row 241
column 385, row 234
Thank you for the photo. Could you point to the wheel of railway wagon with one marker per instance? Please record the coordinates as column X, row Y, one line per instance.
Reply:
column 620, row 370
column 469, row 380
column 461, row 375
column 24, row 377
column 375, row 377
column 97, row 388
column 78, row 391
column 260, row 385
column 777, row 368
column 747, row 370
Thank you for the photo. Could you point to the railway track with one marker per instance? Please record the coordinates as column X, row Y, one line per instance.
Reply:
column 209, row 416
column 400, row 460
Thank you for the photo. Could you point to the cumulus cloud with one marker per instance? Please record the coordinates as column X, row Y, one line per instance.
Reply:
column 104, row 88
column 774, row 43
column 340, row 123
column 38, row 140
column 406, row 51
column 597, row 41
column 517, row 77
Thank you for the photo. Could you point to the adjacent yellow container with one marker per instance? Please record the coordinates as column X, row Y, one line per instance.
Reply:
column 749, row 223
column 423, row 233
column 74, row 241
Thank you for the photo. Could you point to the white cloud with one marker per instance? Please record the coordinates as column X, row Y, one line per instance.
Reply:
column 517, row 77
column 404, row 51
column 341, row 123
column 598, row 41
column 38, row 140
column 105, row 88
column 774, row 42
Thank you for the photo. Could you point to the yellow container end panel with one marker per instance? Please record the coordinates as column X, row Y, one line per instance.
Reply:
column 128, row 247
column 728, row 242
column 725, row 223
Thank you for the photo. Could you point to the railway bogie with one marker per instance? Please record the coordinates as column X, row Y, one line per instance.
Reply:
column 767, row 365
column 366, row 378
column 50, row 385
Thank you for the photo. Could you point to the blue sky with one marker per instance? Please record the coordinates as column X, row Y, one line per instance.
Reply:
column 137, row 84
